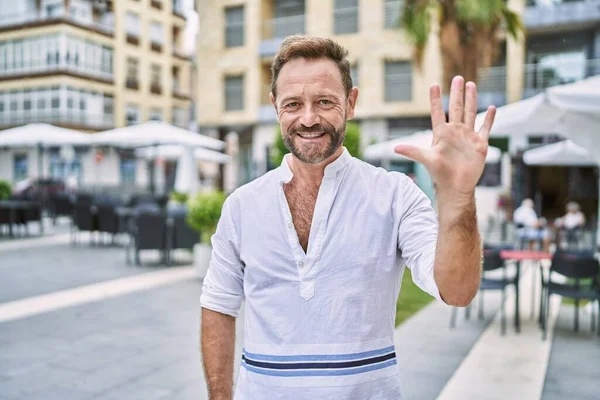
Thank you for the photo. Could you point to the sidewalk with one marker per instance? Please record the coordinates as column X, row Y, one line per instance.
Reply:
column 132, row 332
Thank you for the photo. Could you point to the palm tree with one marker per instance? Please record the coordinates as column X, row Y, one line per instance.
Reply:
column 468, row 32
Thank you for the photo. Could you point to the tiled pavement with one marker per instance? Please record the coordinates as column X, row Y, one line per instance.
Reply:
column 144, row 345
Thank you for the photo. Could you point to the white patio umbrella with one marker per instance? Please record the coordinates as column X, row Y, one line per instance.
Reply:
column 564, row 153
column 173, row 152
column 42, row 136
column 45, row 135
column 385, row 150
column 186, row 177
column 154, row 133
column 571, row 110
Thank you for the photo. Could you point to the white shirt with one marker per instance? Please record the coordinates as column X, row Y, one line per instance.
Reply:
column 526, row 216
column 573, row 220
column 321, row 325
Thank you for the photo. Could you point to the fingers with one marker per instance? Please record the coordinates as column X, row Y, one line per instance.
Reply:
column 414, row 153
column 438, row 116
column 470, row 105
column 486, row 128
column 457, row 94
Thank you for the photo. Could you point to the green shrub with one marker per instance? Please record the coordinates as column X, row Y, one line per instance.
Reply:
column 351, row 141
column 5, row 190
column 179, row 197
column 204, row 211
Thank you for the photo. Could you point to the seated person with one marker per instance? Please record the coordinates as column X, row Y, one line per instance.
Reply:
column 529, row 226
column 572, row 222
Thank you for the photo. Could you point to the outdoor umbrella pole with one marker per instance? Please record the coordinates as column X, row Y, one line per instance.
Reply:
column 40, row 152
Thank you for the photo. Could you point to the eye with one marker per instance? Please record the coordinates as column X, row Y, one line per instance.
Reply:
column 325, row 102
column 292, row 104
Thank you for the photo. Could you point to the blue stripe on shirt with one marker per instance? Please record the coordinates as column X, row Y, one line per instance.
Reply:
column 322, row 357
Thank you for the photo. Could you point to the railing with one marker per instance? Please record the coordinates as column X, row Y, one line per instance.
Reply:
column 279, row 28
column 548, row 13
column 541, row 76
column 62, row 117
column 180, row 53
column 492, row 79
column 20, row 19
column 62, row 67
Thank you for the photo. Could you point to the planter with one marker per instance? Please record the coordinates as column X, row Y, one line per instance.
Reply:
column 202, row 254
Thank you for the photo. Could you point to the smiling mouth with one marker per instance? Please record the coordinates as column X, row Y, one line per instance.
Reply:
column 311, row 135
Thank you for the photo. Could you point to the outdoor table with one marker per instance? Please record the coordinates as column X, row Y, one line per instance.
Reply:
column 520, row 256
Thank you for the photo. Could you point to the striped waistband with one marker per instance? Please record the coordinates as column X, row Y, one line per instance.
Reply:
column 319, row 365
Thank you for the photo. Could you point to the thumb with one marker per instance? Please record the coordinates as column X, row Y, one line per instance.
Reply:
column 414, row 153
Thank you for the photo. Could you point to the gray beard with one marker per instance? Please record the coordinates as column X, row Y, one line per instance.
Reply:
column 315, row 153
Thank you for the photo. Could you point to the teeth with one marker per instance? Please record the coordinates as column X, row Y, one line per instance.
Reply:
column 310, row 136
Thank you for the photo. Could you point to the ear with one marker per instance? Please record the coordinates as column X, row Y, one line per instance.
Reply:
column 273, row 102
column 352, row 102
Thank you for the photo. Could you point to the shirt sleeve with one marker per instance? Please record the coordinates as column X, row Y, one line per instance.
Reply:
column 223, row 286
column 417, row 235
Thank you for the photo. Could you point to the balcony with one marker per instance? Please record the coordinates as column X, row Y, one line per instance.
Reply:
column 544, row 75
column 156, row 4
column 9, row 22
column 62, row 68
column 177, row 92
column 74, row 119
column 277, row 29
column 156, row 88
column 491, row 87
column 131, row 83
column 132, row 38
column 543, row 14
column 181, row 54
column 156, row 46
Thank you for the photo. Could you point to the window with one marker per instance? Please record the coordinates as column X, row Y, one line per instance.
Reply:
column 392, row 12
column 234, row 26
column 156, row 33
column 354, row 74
column 108, row 105
column 398, row 81
column 345, row 17
column 20, row 170
column 131, row 80
column 155, row 74
column 179, row 117
column 156, row 114
column 127, row 170
column 132, row 115
column 107, row 60
column 132, row 24
column 27, row 100
column 234, row 93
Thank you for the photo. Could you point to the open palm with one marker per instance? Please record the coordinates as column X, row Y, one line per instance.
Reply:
column 457, row 154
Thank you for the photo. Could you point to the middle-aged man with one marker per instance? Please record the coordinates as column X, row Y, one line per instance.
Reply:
column 317, row 247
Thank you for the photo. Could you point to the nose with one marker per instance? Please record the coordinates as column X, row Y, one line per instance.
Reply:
column 309, row 117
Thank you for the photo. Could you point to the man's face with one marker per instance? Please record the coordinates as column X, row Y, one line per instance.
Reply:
column 312, row 108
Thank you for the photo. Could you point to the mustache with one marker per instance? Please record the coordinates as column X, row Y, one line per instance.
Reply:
column 309, row 129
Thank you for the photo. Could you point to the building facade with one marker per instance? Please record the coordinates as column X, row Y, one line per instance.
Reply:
column 92, row 65
column 238, row 38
